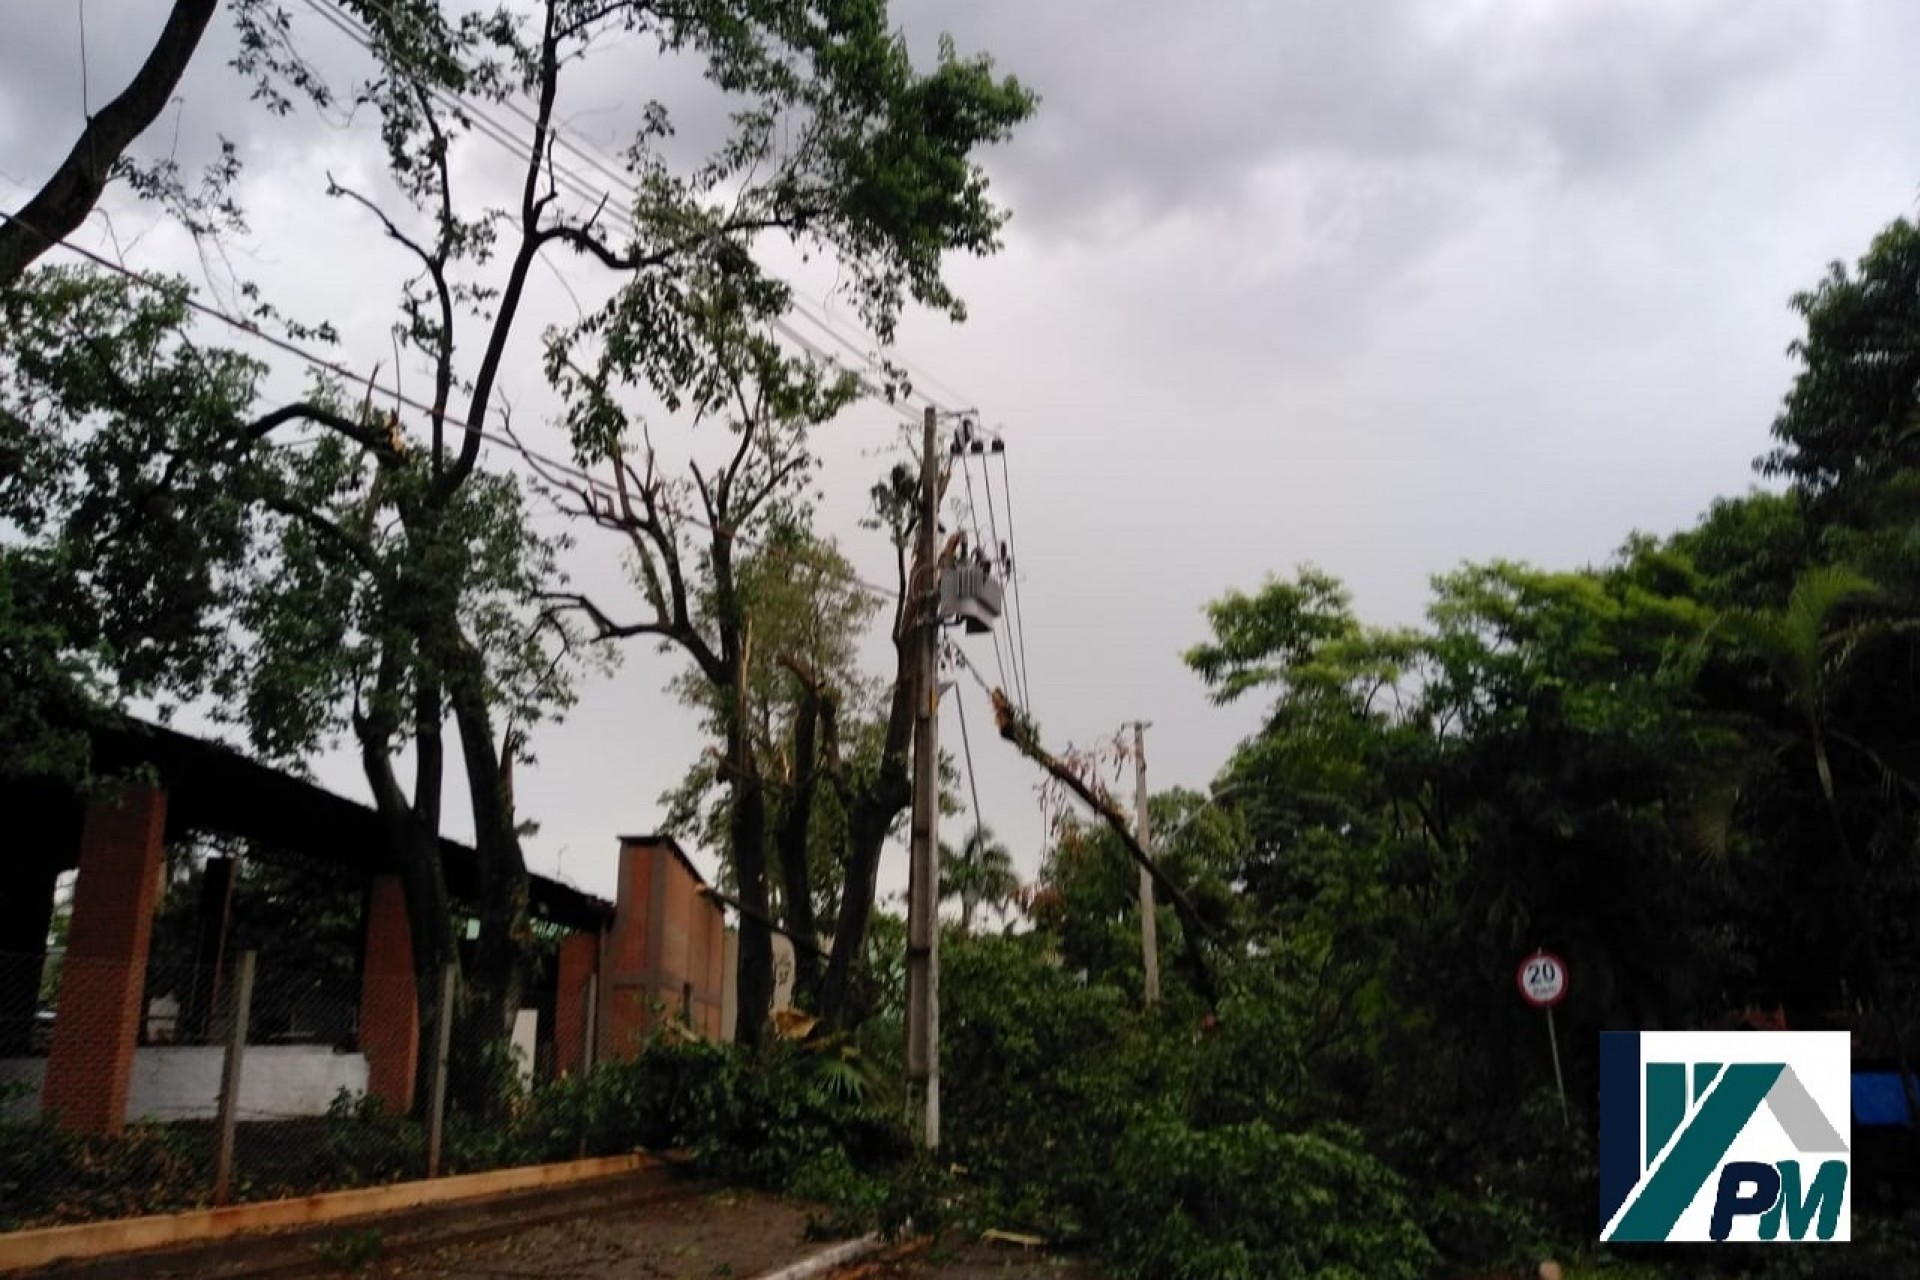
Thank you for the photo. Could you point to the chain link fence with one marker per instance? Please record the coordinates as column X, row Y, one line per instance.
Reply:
column 252, row 1079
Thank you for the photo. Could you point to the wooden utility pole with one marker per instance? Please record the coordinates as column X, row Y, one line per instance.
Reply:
column 923, row 884
column 442, row 1049
column 230, row 1080
column 1149, row 932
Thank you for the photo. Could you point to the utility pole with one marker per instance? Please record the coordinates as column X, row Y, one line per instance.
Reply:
column 923, row 884
column 1149, row 939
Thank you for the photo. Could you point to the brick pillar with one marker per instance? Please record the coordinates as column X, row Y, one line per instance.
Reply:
column 709, row 956
column 633, row 951
column 579, row 960
column 729, row 984
column 104, row 975
column 389, row 1010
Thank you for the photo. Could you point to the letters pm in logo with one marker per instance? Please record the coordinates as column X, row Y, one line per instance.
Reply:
column 1725, row 1135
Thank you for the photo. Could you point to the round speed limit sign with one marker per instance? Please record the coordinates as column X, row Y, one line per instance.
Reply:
column 1542, row 979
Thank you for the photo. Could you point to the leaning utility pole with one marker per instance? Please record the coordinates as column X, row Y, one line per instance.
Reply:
column 923, row 884
column 1149, row 940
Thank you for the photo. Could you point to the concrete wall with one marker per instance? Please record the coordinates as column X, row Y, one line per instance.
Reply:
column 183, row 1082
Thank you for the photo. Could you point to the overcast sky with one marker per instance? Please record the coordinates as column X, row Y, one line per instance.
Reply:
column 1380, row 286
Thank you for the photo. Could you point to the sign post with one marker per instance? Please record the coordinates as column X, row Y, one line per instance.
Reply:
column 1542, row 980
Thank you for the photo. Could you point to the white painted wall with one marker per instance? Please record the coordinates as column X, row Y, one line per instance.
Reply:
column 183, row 1082
column 526, row 1032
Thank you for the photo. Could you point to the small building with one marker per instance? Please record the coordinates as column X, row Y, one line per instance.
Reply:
column 659, row 953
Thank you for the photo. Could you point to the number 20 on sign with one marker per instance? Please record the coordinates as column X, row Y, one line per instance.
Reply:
column 1543, row 979
column 1543, row 984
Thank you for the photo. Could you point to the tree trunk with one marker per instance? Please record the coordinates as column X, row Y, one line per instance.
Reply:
column 748, row 831
column 871, row 812
column 413, row 851
column 60, row 206
column 796, row 825
column 504, row 927
column 870, row 820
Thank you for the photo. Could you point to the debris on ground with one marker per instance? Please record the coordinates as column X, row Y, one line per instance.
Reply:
column 976, row 1260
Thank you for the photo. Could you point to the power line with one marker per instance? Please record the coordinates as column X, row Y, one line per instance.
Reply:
column 487, row 126
column 974, row 671
column 973, row 779
column 555, row 466
column 999, row 662
column 596, row 158
column 502, row 135
column 1005, row 549
column 1019, row 614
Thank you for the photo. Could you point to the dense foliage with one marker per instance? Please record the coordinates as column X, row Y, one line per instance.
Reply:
column 1690, row 771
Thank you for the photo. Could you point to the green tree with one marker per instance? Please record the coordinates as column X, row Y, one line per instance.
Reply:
column 362, row 622
column 979, row 873
column 1848, row 422
column 802, row 612
column 1422, row 809
column 880, row 175
column 884, row 178
column 1834, row 652
column 125, row 461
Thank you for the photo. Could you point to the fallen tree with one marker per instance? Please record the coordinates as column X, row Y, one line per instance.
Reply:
column 1019, row 730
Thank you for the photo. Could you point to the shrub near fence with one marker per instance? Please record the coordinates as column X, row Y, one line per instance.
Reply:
column 222, row 1107
column 812, row 1120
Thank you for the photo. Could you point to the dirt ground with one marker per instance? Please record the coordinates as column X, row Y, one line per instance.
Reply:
column 722, row 1235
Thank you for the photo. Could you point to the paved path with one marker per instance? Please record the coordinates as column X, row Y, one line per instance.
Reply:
column 970, row 1262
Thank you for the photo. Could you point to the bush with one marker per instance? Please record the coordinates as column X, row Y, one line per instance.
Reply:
column 363, row 1144
column 1041, row 1078
column 1248, row 1201
column 1168, row 1143
column 49, row 1176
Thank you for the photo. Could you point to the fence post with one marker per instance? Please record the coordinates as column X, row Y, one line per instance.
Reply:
column 230, row 1079
column 443, row 1044
column 591, row 1022
column 588, row 1039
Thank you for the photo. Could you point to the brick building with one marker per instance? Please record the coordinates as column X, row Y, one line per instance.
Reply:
column 660, row 951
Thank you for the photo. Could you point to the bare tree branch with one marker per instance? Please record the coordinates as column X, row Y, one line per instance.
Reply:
column 531, row 239
column 372, row 441
column 605, row 628
column 70, row 194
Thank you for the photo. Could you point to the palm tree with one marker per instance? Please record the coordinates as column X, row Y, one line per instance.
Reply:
column 1804, row 649
column 1801, row 647
column 981, row 871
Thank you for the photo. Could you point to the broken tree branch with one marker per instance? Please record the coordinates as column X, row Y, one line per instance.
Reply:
column 1016, row 729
